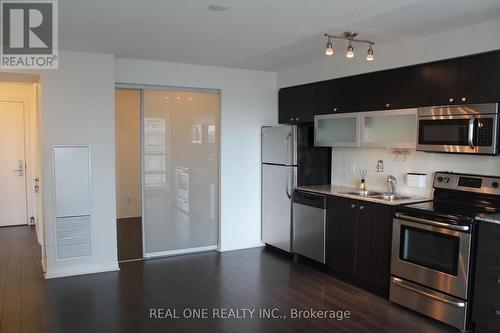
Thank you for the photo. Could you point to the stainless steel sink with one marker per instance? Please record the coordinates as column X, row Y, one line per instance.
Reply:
column 365, row 193
column 392, row 197
column 379, row 195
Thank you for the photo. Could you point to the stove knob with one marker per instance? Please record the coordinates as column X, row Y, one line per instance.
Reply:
column 440, row 179
column 494, row 184
column 446, row 179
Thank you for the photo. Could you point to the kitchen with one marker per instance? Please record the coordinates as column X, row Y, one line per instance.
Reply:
column 393, row 188
column 255, row 166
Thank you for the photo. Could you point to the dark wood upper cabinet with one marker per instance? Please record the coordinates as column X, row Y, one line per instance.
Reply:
column 400, row 88
column 304, row 104
column 438, row 83
column 335, row 96
column 370, row 90
column 467, row 80
column 286, row 105
column 296, row 105
column 480, row 78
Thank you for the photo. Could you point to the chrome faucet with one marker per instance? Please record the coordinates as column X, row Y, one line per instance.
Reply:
column 392, row 181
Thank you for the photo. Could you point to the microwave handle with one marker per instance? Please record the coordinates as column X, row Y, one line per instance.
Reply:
column 472, row 121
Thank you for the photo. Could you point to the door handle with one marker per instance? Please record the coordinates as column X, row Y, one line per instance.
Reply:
column 20, row 168
column 286, row 186
column 402, row 284
column 471, row 132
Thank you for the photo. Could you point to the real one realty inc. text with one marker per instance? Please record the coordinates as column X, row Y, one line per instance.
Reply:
column 246, row 313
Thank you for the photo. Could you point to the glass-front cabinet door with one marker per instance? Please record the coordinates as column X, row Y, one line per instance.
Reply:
column 389, row 129
column 337, row 130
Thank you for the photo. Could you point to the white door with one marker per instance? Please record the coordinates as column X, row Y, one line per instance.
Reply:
column 12, row 167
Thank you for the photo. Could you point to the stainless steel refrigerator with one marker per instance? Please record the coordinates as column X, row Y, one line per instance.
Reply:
column 279, row 175
column 289, row 158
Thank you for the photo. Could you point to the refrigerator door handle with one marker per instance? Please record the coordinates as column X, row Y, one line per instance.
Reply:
column 286, row 185
column 287, row 145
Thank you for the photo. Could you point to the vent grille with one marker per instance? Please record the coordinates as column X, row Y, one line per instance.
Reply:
column 73, row 237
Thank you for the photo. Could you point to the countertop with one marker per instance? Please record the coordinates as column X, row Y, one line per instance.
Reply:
column 339, row 191
column 494, row 218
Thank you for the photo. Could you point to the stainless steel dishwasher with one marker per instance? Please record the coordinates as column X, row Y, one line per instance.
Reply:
column 309, row 225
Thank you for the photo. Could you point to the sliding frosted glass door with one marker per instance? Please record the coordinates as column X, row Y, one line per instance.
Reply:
column 180, row 170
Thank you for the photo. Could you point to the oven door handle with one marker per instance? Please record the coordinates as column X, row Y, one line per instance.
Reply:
column 431, row 222
column 471, row 132
column 402, row 284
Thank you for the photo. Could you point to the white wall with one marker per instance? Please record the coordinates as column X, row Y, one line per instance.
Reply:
column 248, row 101
column 469, row 40
column 77, row 107
column 347, row 161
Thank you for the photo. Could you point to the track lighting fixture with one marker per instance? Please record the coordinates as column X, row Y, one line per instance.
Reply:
column 350, row 51
column 351, row 37
column 369, row 55
column 329, row 47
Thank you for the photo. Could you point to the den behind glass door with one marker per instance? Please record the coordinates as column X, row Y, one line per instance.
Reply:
column 180, row 170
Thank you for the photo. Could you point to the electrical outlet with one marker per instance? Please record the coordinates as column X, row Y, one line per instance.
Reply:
column 129, row 200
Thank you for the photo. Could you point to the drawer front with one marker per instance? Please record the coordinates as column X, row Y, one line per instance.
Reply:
column 486, row 309
column 489, row 232
column 486, row 312
column 488, row 254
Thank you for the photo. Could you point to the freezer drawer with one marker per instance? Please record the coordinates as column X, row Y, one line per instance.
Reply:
column 309, row 225
column 277, row 186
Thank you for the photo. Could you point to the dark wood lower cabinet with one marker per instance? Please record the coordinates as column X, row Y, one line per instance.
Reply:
column 359, row 237
column 486, row 303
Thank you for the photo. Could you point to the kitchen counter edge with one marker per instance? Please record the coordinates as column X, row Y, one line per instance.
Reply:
column 339, row 191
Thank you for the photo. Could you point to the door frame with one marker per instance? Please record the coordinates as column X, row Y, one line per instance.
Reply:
column 29, row 168
column 142, row 88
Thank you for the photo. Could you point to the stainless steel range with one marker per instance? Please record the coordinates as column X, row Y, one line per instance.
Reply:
column 433, row 246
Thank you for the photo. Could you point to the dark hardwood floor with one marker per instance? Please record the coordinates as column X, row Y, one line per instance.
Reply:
column 129, row 237
column 120, row 301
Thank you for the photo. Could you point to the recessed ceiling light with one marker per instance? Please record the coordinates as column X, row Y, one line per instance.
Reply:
column 166, row 97
column 218, row 7
column 178, row 97
column 190, row 98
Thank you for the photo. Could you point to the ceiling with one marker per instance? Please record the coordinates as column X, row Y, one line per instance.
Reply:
column 253, row 34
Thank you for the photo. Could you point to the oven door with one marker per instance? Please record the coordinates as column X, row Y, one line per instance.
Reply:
column 472, row 134
column 432, row 253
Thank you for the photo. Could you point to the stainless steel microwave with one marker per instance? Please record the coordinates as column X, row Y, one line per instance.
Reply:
column 464, row 129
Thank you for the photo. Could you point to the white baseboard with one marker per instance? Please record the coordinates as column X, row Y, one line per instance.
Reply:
column 180, row 252
column 80, row 270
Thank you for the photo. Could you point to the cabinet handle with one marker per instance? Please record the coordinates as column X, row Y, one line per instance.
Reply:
column 497, row 312
column 361, row 207
column 451, row 100
column 353, row 206
column 297, row 119
column 464, row 99
column 388, row 105
column 498, row 280
column 291, row 119
column 335, row 109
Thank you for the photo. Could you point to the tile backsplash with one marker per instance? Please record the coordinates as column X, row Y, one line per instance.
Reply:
column 346, row 163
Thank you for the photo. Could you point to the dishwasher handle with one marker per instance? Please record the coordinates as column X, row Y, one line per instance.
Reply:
column 309, row 199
